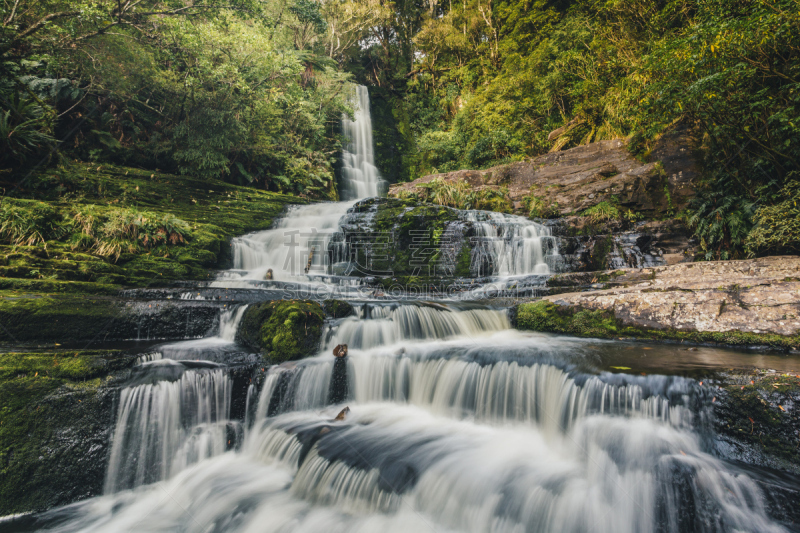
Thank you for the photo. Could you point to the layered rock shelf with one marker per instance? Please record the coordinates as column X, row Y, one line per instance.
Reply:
column 732, row 302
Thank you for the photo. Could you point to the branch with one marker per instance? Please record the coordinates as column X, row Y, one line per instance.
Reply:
column 11, row 16
column 33, row 28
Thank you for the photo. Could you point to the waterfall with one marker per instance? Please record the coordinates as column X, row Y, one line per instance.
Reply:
column 389, row 324
column 229, row 322
column 298, row 246
column 360, row 176
column 509, row 245
column 541, row 394
column 164, row 426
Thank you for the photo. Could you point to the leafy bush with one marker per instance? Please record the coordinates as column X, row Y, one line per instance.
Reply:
column 777, row 227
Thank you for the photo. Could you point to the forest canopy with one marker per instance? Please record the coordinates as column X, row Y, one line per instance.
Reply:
column 252, row 91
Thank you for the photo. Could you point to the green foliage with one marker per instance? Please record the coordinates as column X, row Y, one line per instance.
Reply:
column 722, row 221
column 777, row 227
column 25, row 129
column 603, row 212
column 460, row 195
column 245, row 93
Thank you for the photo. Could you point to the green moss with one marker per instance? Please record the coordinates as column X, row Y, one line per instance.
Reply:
column 338, row 308
column 283, row 329
column 53, row 410
column 547, row 316
column 49, row 245
column 53, row 317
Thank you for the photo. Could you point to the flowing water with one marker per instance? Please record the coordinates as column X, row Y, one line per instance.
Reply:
column 360, row 176
column 456, row 422
column 510, row 245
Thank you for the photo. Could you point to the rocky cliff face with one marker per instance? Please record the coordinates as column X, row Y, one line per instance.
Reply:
column 582, row 177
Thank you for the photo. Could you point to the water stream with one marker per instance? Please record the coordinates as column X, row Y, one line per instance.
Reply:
column 456, row 422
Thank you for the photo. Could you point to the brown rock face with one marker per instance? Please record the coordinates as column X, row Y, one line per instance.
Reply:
column 579, row 178
column 758, row 296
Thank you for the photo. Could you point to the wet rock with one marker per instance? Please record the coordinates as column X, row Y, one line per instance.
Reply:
column 338, row 308
column 57, row 420
column 756, row 419
column 64, row 318
column 339, row 388
column 342, row 414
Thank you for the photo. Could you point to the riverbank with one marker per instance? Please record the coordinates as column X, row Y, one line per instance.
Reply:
column 741, row 303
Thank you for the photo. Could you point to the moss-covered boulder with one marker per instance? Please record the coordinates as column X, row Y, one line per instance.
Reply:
column 283, row 329
column 338, row 308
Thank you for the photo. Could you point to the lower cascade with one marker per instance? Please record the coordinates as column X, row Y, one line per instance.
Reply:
column 440, row 417
column 165, row 426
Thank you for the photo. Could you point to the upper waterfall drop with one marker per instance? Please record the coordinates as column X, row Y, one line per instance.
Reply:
column 360, row 176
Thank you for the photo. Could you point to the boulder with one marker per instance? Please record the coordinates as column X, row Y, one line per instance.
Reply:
column 282, row 329
column 338, row 308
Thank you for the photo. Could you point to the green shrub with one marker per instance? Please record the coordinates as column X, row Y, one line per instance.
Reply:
column 603, row 212
column 777, row 227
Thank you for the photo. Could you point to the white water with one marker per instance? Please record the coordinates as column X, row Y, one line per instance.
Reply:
column 306, row 231
column 515, row 245
column 388, row 325
column 360, row 176
column 400, row 468
column 165, row 426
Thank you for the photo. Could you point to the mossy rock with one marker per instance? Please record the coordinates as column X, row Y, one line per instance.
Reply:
column 283, row 329
column 601, row 323
column 338, row 308
column 750, row 411
column 56, row 419
column 54, row 317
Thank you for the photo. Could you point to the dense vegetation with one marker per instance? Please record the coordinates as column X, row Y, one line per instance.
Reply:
column 252, row 91
column 481, row 82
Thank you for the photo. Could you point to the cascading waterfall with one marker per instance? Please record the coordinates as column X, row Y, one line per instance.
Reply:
column 162, row 427
column 229, row 322
column 509, row 245
column 360, row 176
column 456, row 422
column 298, row 246
column 386, row 325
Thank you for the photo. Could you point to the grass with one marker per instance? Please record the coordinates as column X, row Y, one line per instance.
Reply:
column 460, row 195
column 125, row 227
